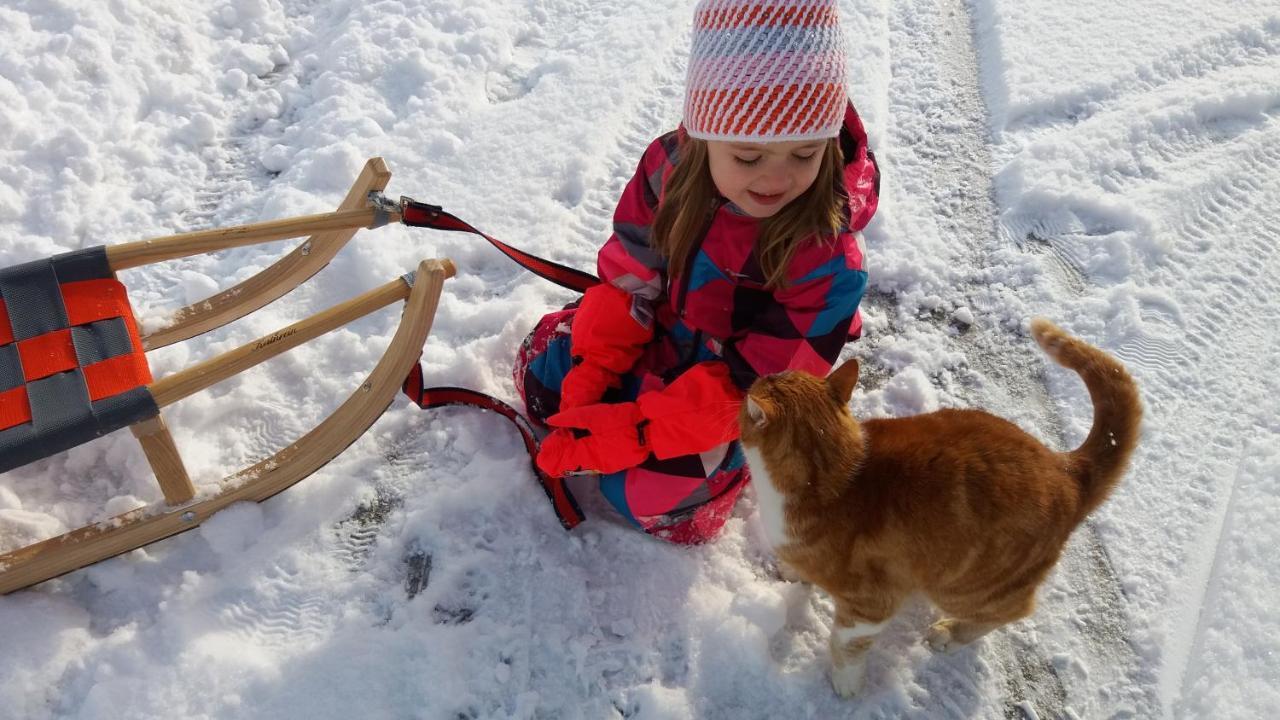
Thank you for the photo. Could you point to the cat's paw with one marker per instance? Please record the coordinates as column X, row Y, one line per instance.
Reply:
column 940, row 637
column 848, row 680
column 951, row 634
column 787, row 573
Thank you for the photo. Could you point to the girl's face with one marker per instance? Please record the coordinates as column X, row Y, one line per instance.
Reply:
column 761, row 178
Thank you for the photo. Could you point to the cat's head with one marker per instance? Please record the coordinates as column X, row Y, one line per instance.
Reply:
column 799, row 415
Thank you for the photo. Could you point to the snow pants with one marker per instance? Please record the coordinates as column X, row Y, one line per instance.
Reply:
column 684, row 499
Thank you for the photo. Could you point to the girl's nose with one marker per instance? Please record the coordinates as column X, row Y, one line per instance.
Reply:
column 777, row 182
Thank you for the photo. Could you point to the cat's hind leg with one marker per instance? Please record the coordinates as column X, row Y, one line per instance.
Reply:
column 966, row 626
column 950, row 634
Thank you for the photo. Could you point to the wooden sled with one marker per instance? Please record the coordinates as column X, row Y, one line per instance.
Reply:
column 25, row 334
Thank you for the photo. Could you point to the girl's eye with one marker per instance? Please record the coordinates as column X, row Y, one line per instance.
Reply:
column 805, row 158
column 744, row 161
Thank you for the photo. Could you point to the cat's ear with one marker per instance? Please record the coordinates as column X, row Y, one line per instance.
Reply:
column 843, row 380
column 756, row 411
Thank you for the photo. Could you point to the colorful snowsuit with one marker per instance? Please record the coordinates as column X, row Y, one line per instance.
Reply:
column 712, row 323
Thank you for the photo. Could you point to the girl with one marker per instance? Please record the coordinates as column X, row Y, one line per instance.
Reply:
column 733, row 255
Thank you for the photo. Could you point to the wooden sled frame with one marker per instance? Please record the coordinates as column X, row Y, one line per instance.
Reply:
column 329, row 233
column 183, row 509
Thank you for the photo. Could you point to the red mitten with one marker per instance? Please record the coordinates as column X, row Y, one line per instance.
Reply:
column 586, row 383
column 695, row 413
column 605, row 333
column 605, row 342
column 602, row 437
column 598, row 418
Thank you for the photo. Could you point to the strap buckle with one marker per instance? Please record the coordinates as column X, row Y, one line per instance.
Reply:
column 433, row 210
column 388, row 209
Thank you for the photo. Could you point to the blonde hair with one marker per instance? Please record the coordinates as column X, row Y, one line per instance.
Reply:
column 688, row 202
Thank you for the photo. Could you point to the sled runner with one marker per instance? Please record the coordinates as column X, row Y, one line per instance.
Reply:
column 73, row 367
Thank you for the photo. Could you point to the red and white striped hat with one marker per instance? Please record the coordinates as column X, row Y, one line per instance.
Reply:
column 765, row 71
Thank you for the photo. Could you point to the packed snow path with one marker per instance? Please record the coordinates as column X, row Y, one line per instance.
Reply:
column 1112, row 166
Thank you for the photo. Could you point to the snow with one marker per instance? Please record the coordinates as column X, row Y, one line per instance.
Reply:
column 1112, row 166
column 1061, row 59
column 1238, row 624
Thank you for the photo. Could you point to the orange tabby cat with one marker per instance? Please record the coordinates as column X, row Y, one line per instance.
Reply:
column 957, row 504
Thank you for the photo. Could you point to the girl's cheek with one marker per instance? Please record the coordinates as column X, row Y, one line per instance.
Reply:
column 811, row 177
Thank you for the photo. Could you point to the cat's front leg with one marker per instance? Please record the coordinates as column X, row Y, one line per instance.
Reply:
column 849, row 647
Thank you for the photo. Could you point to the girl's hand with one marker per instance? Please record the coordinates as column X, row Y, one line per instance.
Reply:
column 602, row 437
column 693, row 414
column 585, row 384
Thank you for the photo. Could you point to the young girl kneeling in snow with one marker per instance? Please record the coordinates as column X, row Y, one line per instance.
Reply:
column 733, row 255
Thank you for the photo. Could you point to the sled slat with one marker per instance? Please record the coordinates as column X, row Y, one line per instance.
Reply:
column 274, row 282
column 172, row 388
column 144, row 252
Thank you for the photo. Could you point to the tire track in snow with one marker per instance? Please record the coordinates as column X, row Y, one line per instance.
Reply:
column 651, row 113
column 1207, row 299
column 1204, row 208
column 646, row 106
column 1192, row 660
column 286, row 610
column 1192, row 640
column 950, row 144
column 1240, row 186
column 1243, row 46
column 236, row 171
column 1240, row 275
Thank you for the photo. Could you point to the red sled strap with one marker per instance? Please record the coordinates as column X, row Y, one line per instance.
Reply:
column 562, row 501
column 420, row 214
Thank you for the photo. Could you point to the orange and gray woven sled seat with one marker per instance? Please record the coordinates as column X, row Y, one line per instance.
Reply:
column 73, row 367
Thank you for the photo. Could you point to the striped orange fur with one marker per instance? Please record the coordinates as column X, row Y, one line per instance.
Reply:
column 959, row 505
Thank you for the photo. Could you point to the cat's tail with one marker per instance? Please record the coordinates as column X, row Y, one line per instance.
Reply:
column 1117, row 412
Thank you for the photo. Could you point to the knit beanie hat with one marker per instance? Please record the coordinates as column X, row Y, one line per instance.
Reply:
column 765, row 71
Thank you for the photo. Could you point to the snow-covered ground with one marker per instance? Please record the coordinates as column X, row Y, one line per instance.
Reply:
column 1114, row 166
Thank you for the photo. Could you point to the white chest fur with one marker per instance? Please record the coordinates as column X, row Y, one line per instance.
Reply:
column 769, row 501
